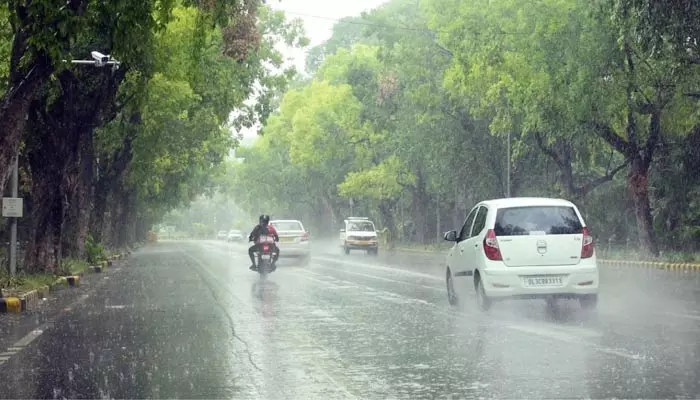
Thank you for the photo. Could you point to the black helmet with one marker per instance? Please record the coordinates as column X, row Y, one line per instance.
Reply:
column 264, row 219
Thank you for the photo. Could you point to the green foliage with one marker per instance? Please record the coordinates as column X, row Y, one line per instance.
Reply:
column 407, row 114
column 94, row 252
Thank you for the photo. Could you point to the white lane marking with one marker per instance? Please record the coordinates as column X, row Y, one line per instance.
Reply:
column 8, row 353
column 379, row 267
column 572, row 335
column 558, row 334
column 567, row 338
column 332, row 285
column 4, row 358
column 14, row 348
column 386, row 279
column 29, row 337
column 119, row 307
column 686, row 316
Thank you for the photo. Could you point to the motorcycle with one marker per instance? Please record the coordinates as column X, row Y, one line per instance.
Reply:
column 264, row 256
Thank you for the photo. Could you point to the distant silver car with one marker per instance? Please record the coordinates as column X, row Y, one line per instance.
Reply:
column 221, row 235
column 294, row 239
column 234, row 235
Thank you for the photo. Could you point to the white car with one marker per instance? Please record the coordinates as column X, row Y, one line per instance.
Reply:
column 221, row 235
column 294, row 239
column 359, row 233
column 523, row 248
column 234, row 235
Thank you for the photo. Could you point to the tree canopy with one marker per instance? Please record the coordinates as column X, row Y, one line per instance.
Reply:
column 412, row 113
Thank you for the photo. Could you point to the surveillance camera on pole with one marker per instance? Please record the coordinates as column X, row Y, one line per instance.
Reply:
column 100, row 59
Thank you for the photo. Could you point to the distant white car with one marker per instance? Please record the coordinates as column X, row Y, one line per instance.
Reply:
column 234, row 235
column 523, row 248
column 221, row 235
column 359, row 233
column 294, row 239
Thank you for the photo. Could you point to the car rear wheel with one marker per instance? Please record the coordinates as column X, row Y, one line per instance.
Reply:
column 482, row 300
column 589, row 302
column 452, row 296
column 347, row 250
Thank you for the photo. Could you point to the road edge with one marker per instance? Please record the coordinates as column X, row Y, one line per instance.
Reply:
column 30, row 300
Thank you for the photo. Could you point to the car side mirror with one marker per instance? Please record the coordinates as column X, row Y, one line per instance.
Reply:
column 450, row 236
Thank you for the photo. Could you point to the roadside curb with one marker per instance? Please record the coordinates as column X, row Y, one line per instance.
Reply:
column 641, row 264
column 30, row 300
column 655, row 264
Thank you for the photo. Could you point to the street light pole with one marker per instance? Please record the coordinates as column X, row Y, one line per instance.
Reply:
column 13, row 227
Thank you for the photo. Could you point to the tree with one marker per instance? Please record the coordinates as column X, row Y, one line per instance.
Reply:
column 525, row 72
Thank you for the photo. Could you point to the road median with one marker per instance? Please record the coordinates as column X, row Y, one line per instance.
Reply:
column 666, row 265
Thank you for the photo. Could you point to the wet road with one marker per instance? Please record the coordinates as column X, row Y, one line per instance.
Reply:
column 188, row 320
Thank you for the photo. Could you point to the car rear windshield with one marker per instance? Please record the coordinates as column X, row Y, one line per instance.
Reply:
column 361, row 227
column 287, row 226
column 549, row 220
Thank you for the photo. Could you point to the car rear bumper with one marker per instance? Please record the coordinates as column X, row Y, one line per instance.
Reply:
column 360, row 244
column 576, row 281
column 294, row 249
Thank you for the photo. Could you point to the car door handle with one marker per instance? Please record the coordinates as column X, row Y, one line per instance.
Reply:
column 476, row 245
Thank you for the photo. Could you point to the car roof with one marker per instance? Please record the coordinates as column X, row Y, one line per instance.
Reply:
column 527, row 201
column 285, row 220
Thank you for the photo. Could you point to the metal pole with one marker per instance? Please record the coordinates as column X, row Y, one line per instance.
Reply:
column 13, row 227
column 508, row 169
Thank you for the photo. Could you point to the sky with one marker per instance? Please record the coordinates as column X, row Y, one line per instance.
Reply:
column 318, row 16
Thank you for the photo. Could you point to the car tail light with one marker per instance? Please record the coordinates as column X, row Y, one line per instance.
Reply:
column 588, row 247
column 491, row 249
column 305, row 236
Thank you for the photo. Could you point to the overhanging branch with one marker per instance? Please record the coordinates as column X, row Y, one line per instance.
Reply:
column 616, row 141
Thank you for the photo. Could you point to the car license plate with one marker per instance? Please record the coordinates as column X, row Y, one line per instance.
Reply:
column 539, row 281
column 286, row 239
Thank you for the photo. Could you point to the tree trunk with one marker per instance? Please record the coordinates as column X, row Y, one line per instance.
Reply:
column 420, row 209
column 78, row 197
column 330, row 212
column 13, row 113
column 123, row 225
column 385, row 210
column 110, row 218
column 43, row 252
column 98, row 215
column 638, row 187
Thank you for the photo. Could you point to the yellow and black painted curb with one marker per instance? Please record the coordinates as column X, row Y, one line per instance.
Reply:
column 24, row 302
column 31, row 299
column 10, row 304
column 654, row 264
column 96, row 268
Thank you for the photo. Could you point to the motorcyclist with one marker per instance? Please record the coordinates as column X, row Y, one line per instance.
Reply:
column 263, row 228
